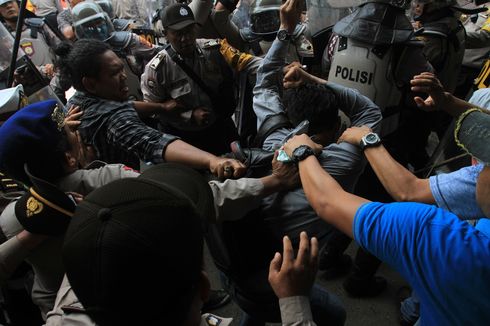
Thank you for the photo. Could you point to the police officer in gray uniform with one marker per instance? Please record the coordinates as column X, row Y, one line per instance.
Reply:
column 37, row 39
column 477, row 50
column 192, row 79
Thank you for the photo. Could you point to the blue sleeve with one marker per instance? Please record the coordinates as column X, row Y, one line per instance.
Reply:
column 395, row 232
column 444, row 259
column 456, row 192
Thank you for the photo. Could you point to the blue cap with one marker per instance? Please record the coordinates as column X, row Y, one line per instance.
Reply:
column 31, row 137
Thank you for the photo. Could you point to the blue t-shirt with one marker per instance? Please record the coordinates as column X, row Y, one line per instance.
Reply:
column 445, row 260
column 456, row 192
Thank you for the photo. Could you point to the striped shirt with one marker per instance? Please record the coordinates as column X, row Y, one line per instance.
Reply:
column 116, row 132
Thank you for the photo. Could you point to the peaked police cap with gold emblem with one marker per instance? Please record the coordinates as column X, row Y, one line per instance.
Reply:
column 44, row 209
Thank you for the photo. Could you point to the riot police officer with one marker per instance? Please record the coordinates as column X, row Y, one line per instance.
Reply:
column 91, row 21
column 374, row 51
column 263, row 27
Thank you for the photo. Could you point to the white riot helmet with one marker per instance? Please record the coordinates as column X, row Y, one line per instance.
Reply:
column 5, row 1
column 90, row 21
column 264, row 17
column 106, row 5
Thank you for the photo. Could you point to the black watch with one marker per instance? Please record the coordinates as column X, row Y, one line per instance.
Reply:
column 283, row 35
column 302, row 152
column 370, row 140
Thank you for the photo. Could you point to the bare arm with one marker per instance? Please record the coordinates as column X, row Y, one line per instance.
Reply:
column 181, row 152
column 146, row 109
column 400, row 183
column 326, row 196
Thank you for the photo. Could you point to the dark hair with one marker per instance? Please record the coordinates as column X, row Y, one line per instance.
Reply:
column 313, row 102
column 82, row 59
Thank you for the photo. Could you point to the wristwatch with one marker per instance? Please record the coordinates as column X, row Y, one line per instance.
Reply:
column 302, row 152
column 283, row 35
column 370, row 140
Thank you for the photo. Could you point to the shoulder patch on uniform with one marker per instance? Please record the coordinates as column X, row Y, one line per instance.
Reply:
column 157, row 60
column 211, row 43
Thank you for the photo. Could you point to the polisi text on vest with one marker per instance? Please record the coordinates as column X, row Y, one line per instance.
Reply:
column 354, row 75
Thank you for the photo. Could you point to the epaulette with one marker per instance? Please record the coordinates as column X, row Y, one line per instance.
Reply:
column 10, row 188
column 157, row 60
column 211, row 44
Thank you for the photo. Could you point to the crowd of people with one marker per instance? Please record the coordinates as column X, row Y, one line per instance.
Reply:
column 178, row 125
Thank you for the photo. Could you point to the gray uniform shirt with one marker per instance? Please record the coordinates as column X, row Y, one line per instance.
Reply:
column 164, row 80
column 289, row 212
column 46, row 7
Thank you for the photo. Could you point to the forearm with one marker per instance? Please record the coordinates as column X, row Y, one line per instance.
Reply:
column 15, row 250
column 400, row 183
column 181, row 152
column 266, row 101
column 226, row 28
column 201, row 10
column 456, row 106
column 296, row 311
column 327, row 197
column 233, row 199
column 147, row 109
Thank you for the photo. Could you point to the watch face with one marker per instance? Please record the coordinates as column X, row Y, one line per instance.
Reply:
column 300, row 151
column 282, row 35
column 371, row 138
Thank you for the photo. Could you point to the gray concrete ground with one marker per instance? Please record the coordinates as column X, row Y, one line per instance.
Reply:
column 382, row 310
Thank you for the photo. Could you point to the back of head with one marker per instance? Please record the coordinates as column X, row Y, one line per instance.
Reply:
column 134, row 249
column 316, row 103
column 80, row 60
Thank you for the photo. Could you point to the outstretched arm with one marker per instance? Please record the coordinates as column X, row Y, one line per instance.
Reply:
column 326, row 196
column 400, row 183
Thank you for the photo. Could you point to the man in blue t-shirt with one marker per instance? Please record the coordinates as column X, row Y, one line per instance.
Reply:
column 445, row 260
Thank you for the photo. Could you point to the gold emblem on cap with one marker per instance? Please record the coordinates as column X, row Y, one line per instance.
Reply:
column 33, row 207
column 58, row 116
